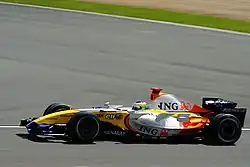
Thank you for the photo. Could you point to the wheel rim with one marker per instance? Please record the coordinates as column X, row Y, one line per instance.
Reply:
column 87, row 128
column 228, row 130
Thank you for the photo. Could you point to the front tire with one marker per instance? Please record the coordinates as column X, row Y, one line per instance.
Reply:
column 84, row 128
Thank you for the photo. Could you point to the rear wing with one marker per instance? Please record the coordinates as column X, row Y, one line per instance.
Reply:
column 220, row 105
column 217, row 103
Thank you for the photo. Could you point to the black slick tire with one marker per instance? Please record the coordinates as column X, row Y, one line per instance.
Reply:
column 56, row 107
column 224, row 129
column 83, row 128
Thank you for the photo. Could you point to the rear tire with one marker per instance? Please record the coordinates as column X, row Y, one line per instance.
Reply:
column 56, row 107
column 224, row 129
column 83, row 128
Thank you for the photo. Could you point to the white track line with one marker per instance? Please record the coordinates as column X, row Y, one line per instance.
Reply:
column 131, row 18
column 11, row 127
column 128, row 18
column 22, row 127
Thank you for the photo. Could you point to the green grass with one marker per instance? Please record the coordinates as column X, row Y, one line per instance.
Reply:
column 154, row 14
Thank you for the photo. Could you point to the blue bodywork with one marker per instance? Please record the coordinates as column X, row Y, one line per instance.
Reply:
column 34, row 128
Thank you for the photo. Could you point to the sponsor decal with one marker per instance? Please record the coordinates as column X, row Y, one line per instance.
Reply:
column 169, row 132
column 183, row 117
column 113, row 116
column 149, row 130
column 164, row 132
column 113, row 132
column 168, row 106
column 186, row 105
column 100, row 115
column 172, row 132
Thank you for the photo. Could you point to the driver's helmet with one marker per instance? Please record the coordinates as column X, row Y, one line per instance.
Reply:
column 139, row 105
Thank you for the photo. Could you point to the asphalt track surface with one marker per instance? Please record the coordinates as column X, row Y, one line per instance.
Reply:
column 50, row 56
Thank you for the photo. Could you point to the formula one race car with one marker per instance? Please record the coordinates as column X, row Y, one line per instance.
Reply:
column 217, row 121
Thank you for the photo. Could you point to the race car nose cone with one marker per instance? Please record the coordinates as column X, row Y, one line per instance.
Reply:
column 31, row 125
column 24, row 122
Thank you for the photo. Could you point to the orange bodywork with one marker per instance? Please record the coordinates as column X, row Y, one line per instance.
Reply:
column 156, row 92
column 194, row 123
